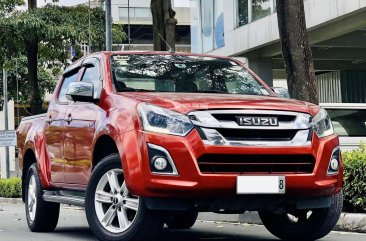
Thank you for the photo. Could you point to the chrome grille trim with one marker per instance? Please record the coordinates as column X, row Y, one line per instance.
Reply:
column 210, row 126
column 300, row 139
column 205, row 119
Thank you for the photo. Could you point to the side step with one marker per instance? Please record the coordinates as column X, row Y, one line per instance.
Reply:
column 76, row 198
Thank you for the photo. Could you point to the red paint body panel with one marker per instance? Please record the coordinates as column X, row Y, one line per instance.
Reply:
column 64, row 150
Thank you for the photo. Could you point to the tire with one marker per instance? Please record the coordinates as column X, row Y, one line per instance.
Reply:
column 304, row 225
column 112, row 213
column 41, row 216
column 181, row 220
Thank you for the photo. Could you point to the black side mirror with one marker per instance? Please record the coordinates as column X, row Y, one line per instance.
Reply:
column 80, row 91
column 281, row 92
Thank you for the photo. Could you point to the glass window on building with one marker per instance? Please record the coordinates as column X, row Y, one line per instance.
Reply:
column 136, row 14
column 348, row 122
column 219, row 24
column 143, row 14
column 123, row 14
column 261, row 8
column 243, row 12
column 251, row 10
column 207, row 21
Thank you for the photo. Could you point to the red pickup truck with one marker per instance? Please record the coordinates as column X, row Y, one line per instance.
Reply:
column 143, row 139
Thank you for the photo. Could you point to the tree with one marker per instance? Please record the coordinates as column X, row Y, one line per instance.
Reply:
column 54, row 29
column 163, row 24
column 296, row 50
column 31, row 48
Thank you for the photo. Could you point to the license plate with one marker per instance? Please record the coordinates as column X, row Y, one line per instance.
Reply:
column 260, row 185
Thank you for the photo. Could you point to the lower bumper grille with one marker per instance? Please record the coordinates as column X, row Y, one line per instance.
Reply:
column 257, row 164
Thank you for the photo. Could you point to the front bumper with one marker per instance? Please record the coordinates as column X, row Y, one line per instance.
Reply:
column 191, row 183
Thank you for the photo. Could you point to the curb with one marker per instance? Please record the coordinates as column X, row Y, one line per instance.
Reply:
column 10, row 200
column 348, row 222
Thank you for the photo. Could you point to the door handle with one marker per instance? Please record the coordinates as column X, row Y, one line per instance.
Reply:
column 68, row 119
column 49, row 119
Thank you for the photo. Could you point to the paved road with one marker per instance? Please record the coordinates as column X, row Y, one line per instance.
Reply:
column 73, row 226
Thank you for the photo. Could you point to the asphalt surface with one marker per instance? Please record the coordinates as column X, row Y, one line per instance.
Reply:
column 73, row 226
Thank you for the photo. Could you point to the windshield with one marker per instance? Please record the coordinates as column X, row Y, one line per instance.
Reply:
column 174, row 73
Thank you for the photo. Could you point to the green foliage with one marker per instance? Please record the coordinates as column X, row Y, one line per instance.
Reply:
column 355, row 178
column 11, row 188
column 17, row 71
column 55, row 29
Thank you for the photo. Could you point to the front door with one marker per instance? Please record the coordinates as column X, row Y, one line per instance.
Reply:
column 80, row 125
column 54, row 129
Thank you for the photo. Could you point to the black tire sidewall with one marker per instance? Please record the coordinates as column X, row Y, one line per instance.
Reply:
column 317, row 226
column 181, row 220
column 31, row 172
column 47, row 214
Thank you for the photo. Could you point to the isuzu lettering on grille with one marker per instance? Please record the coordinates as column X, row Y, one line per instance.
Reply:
column 257, row 121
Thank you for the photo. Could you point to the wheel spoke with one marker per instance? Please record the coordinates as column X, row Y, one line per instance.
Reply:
column 103, row 197
column 132, row 203
column 109, row 216
column 31, row 206
column 122, row 219
column 124, row 190
column 113, row 181
column 32, row 198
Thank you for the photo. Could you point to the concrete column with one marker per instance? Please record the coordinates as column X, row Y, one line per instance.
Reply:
column 263, row 68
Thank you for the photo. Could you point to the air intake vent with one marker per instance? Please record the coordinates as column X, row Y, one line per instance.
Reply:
column 257, row 164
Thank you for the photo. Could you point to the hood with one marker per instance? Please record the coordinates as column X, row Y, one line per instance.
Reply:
column 187, row 102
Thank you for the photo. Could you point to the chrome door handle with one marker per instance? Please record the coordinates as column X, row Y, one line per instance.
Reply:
column 68, row 119
column 49, row 120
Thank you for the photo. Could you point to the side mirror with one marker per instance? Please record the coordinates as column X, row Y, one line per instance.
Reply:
column 80, row 91
column 281, row 92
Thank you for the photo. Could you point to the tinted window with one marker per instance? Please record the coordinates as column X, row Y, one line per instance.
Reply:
column 168, row 73
column 348, row 122
column 65, row 85
column 91, row 74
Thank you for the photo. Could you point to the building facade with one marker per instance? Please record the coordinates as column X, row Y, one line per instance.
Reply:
column 249, row 28
column 136, row 18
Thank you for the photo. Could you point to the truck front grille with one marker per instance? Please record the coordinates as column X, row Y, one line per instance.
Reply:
column 257, row 134
column 253, row 127
column 256, row 164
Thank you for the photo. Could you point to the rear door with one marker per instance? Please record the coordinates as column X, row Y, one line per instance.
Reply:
column 80, row 127
column 54, row 130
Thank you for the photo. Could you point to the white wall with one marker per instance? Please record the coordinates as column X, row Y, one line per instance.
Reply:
column 11, row 149
column 265, row 30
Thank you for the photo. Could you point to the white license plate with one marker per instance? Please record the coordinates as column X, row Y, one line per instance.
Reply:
column 260, row 185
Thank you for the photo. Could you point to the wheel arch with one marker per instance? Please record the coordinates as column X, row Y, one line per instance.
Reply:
column 28, row 159
column 104, row 146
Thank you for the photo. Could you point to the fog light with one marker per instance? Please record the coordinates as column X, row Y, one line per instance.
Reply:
column 334, row 165
column 160, row 163
column 334, row 162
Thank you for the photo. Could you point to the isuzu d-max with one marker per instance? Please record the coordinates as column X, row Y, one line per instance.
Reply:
column 143, row 139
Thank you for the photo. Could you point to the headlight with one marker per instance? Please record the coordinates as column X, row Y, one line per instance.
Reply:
column 322, row 124
column 161, row 120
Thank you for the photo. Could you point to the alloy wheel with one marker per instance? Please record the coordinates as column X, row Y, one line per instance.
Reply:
column 115, row 208
column 32, row 198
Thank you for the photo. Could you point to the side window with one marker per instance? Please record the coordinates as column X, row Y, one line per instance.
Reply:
column 73, row 77
column 91, row 74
